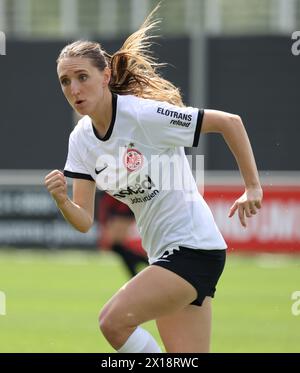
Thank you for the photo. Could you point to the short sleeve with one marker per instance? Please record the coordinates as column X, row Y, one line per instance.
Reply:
column 74, row 166
column 169, row 125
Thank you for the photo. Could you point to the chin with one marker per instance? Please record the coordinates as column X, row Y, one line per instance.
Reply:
column 82, row 111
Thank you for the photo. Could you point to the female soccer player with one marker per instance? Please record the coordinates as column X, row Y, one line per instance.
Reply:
column 130, row 144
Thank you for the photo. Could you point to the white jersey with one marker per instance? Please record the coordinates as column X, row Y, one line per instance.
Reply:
column 141, row 162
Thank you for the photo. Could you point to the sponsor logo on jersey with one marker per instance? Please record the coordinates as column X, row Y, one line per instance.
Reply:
column 180, row 123
column 146, row 198
column 133, row 159
column 139, row 192
column 174, row 114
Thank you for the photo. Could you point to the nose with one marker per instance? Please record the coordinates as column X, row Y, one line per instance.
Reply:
column 75, row 88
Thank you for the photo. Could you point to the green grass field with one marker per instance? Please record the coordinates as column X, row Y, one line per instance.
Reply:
column 53, row 300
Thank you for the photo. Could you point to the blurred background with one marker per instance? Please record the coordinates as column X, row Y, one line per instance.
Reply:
column 233, row 55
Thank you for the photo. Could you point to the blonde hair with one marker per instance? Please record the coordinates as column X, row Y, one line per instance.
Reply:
column 133, row 67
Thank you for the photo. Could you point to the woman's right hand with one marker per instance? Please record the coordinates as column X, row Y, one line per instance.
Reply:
column 56, row 184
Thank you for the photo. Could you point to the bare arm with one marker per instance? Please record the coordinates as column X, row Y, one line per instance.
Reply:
column 232, row 129
column 79, row 212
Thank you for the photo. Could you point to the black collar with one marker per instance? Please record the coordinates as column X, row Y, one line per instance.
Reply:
column 112, row 123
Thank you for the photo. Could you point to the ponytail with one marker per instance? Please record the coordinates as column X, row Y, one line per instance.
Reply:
column 134, row 69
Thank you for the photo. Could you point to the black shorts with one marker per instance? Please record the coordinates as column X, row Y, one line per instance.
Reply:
column 201, row 268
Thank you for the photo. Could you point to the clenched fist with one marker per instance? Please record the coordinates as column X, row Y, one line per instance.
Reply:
column 57, row 186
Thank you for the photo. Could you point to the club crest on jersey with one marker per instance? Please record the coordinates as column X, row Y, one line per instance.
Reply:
column 133, row 159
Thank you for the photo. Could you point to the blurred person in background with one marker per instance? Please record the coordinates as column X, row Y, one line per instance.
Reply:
column 132, row 113
column 116, row 220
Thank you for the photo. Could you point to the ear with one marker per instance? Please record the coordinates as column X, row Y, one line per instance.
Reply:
column 106, row 76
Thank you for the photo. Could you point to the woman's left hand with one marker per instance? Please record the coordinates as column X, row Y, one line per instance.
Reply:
column 248, row 204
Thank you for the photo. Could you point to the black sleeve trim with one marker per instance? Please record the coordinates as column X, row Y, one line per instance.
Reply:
column 198, row 127
column 76, row 175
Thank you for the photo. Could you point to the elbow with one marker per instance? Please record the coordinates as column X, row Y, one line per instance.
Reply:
column 234, row 120
column 233, row 123
column 84, row 228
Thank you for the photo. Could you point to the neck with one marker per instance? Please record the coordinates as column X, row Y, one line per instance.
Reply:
column 102, row 117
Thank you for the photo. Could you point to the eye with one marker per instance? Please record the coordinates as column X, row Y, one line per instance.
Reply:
column 65, row 81
column 83, row 77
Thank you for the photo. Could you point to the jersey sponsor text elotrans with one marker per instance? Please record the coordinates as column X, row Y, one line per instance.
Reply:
column 174, row 114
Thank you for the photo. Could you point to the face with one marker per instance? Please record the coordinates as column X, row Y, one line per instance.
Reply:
column 83, row 84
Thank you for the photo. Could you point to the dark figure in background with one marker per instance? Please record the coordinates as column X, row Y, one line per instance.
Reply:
column 116, row 220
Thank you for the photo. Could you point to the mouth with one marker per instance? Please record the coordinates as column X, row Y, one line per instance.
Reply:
column 79, row 102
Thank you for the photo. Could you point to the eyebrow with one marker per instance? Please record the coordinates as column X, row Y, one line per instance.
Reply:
column 76, row 72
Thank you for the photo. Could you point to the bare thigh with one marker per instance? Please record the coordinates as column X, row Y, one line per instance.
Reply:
column 153, row 293
column 187, row 330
